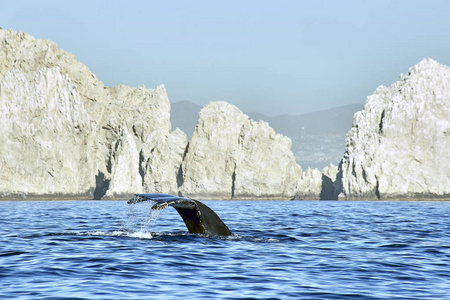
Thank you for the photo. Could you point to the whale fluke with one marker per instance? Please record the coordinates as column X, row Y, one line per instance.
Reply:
column 198, row 217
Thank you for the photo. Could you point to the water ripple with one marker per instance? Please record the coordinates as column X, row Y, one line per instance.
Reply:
column 279, row 250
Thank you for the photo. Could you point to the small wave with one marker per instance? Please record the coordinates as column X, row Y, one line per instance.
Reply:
column 395, row 245
column 97, row 233
column 120, row 233
column 176, row 236
column 256, row 239
column 140, row 235
column 11, row 253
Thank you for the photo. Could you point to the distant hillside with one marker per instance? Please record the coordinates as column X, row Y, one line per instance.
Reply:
column 318, row 138
column 336, row 120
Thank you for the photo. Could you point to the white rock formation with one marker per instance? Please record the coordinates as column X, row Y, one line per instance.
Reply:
column 233, row 157
column 310, row 185
column 66, row 135
column 316, row 185
column 45, row 135
column 157, row 151
column 330, row 172
column 21, row 51
column 399, row 144
column 125, row 176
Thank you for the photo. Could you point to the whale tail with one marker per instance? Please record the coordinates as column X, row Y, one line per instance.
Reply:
column 198, row 217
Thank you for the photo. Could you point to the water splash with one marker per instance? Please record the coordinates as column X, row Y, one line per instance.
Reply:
column 140, row 218
column 115, row 233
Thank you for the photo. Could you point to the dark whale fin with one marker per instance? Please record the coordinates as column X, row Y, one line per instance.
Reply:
column 198, row 217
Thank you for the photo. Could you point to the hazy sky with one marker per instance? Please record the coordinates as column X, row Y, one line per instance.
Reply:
column 274, row 57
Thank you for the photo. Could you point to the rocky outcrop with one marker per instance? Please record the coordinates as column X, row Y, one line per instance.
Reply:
column 317, row 185
column 137, row 131
column 310, row 185
column 64, row 134
column 329, row 180
column 398, row 147
column 232, row 157
column 21, row 51
column 45, row 135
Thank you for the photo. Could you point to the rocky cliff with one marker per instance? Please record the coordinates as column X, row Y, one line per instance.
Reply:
column 398, row 147
column 64, row 134
column 45, row 134
column 140, row 144
column 317, row 185
column 232, row 157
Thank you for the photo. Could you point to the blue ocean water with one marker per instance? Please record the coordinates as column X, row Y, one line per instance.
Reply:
column 279, row 250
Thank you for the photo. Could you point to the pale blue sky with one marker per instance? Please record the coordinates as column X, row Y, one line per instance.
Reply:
column 274, row 57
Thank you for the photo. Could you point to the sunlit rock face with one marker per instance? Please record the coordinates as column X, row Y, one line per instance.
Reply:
column 45, row 134
column 399, row 144
column 317, row 185
column 21, row 51
column 232, row 157
column 142, row 152
column 310, row 185
column 64, row 134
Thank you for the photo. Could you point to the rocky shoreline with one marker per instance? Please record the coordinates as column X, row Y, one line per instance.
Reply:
column 67, row 136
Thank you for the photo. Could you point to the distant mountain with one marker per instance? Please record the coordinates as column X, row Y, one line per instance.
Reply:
column 336, row 120
column 318, row 138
